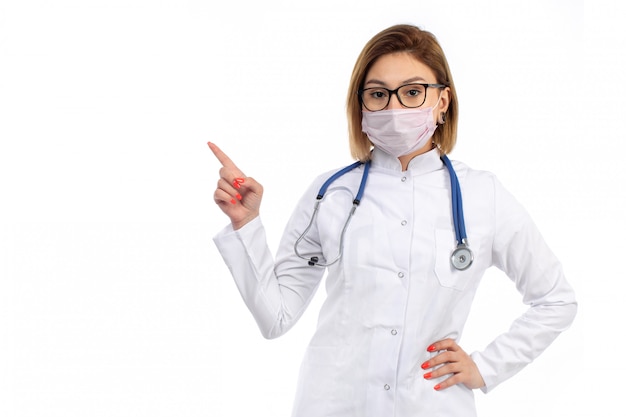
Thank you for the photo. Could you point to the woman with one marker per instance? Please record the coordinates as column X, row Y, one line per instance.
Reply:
column 387, row 338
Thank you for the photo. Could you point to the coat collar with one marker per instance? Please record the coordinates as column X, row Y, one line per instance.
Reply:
column 421, row 164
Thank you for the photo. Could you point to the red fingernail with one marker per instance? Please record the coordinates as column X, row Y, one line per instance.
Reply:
column 437, row 387
column 431, row 348
column 236, row 184
column 232, row 200
column 428, row 375
column 239, row 197
column 425, row 365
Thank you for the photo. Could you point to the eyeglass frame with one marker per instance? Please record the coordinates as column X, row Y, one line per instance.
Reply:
column 392, row 92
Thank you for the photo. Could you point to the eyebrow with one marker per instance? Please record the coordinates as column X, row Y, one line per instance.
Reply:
column 410, row 80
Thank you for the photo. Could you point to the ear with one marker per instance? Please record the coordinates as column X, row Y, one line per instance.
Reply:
column 444, row 101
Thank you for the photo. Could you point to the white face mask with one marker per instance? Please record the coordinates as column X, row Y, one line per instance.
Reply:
column 400, row 131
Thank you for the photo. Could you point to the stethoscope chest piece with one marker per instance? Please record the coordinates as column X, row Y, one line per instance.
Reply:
column 462, row 257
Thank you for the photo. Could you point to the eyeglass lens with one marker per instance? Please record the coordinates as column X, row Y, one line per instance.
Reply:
column 377, row 98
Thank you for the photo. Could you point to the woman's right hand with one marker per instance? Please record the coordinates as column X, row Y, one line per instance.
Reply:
column 238, row 196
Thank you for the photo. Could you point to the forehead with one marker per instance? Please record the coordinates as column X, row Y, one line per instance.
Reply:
column 397, row 68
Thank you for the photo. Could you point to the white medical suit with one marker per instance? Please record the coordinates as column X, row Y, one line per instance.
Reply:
column 394, row 291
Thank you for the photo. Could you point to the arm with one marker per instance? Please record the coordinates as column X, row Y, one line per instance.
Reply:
column 276, row 293
column 521, row 252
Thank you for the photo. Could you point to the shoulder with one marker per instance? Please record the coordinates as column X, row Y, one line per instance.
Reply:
column 335, row 177
column 342, row 172
column 473, row 176
column 484, row 185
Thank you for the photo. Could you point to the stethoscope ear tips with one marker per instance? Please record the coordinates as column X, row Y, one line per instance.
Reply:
column 313, row 261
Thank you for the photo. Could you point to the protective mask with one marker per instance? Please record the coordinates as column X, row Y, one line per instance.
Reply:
column 400, row 131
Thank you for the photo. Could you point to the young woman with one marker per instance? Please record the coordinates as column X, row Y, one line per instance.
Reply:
column 404, row 267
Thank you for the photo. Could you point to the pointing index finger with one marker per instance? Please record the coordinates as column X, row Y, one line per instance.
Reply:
column 224, row 159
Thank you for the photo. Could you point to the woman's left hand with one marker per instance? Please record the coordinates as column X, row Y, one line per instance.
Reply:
column 455, row 362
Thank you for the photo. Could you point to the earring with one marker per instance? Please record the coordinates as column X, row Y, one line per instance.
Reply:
column 442, row 118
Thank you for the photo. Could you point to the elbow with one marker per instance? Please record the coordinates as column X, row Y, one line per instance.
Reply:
column 273, row 330
column 558, row 308
column 569, row 309
column 276, row 323
column 273, row 333
column 269, row 334
column 560, row 316
column 555, row 316
column 572, row 311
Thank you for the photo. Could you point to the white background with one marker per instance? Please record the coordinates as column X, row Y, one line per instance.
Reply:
column 113, row 298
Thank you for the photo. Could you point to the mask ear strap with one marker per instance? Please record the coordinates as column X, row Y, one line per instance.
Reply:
column 442, row 116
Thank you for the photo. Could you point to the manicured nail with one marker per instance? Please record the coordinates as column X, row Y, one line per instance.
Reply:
column 437, row 387
column 239, row 197
column 425, row 365
column 428, row 375
column 237, row 182
column 232, row 200
column 431, row 348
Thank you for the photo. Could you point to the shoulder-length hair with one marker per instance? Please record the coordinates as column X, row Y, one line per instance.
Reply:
column 424, row 47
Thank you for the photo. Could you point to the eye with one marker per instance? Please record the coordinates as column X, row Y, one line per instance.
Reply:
column 377, row 94
column 413, row 93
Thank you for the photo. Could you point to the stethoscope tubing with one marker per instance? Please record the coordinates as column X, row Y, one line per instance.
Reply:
column 341, row 172
column 314, row 260
column 462, row 257
column 457, row 203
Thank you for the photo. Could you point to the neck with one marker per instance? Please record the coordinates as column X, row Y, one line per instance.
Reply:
column 406, row 159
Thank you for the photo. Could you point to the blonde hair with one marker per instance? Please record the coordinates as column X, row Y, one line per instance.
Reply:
column 424, row 47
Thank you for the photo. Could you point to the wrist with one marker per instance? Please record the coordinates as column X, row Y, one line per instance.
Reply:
column 241, row 223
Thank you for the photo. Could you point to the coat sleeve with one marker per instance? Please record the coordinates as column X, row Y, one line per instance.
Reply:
column 521, row 252
column 276, row 292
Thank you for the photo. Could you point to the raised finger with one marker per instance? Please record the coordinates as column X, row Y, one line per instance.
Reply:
column 225, row 160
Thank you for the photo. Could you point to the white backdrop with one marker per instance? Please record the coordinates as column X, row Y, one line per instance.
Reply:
column 113, row 298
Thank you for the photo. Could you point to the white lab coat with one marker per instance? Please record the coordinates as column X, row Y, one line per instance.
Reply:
column 394, row 292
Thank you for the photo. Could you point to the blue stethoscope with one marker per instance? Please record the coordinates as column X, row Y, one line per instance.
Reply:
column 461, row 258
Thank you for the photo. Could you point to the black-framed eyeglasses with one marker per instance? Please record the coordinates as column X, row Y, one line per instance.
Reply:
column 410, row 95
